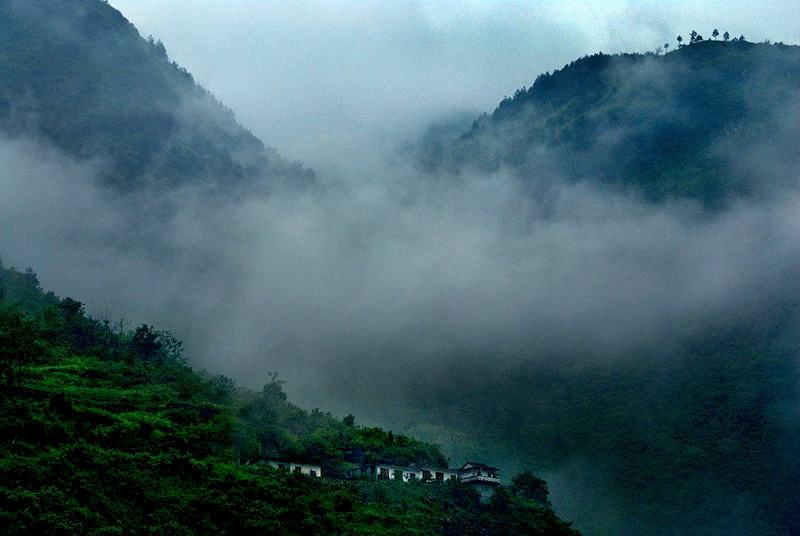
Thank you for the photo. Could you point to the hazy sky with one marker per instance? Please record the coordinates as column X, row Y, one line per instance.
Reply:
column 319, row 78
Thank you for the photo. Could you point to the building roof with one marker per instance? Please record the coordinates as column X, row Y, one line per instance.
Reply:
column 478, row 465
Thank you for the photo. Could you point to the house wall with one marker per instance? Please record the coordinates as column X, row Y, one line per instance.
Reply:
column 482, row 478
column 445, row 474
column 304, row 468
column 406, row 474
column 476, row 471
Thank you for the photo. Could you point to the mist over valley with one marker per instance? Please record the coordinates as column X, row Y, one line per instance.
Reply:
column 598, row 279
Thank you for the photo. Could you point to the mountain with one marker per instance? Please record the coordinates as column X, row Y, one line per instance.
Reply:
column 662, row 126
column 598, row 280
column 78, row 74
column 108, row 431
column 693, row 431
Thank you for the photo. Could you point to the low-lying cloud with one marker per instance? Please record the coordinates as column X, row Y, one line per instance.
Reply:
column 370, row 291
column 332, row 286
column 372, row 288
column 318, row 78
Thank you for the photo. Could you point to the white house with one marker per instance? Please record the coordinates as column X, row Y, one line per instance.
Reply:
column 382, row 471
column 308, row 469
column 483, row 477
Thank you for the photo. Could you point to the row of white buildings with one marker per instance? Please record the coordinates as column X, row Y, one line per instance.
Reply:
column 483, row 477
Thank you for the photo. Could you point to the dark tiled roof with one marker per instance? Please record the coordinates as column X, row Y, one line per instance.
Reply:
column 478, row 465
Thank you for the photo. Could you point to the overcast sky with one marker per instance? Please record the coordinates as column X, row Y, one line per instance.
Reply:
column 322, row 77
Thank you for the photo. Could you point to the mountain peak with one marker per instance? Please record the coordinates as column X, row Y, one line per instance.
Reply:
column 658, row 125
column 79, row 74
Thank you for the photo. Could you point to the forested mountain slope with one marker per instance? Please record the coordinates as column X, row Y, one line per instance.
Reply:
column 79, row 74
column 600, row 280
column 693, row 441
column 693, row 429
column 663, row 126
column 106, row 430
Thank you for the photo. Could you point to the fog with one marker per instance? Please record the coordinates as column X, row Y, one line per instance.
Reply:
column 347, row 284
column 329, row 82
column 367, row 290
column 365, row 295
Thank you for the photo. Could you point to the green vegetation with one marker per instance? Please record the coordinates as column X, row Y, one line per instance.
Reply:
column 106, row 431
column 23, row 288
column 698, row 435
column 683, row 438
column 78, row 73
column 663, row 126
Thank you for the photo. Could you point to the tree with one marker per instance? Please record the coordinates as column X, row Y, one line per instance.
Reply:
column 18, row 345
column 692, row 37
column 715, row 34
column 680, row 41
column 666, row 47
column 66, row 322
column 726, row 36
column 220, row 389
column 170, row 351
column 273, row 390
column 145, row 344
column 528, row 485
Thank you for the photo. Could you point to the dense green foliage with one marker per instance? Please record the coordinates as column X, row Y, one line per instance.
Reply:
column 23, row 287
column 78, row 73
column 272, row 427
column 700, row 435
column 106, row 431
column 663, row 126
column 692, row 440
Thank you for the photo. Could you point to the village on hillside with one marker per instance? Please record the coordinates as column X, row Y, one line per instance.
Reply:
column 484, row 478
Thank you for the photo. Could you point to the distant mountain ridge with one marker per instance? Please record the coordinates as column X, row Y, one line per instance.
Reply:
column 700, row 439
column 665, row 126
column 79, row 74
column 694, row 435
